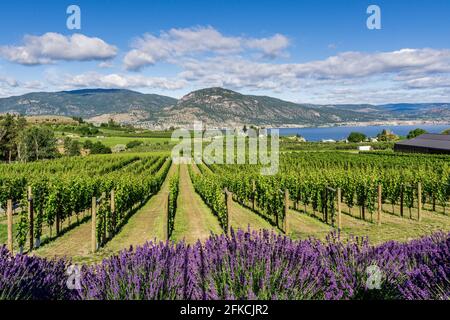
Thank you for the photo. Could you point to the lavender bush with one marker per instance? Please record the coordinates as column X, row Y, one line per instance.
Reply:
column 263, row 265
column 26, row 277
column 244, row 265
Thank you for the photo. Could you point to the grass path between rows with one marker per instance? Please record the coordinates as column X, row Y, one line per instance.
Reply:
column 74, row 243
column 243, row 218
column 392, row 227
column 193, row 220
column 146, row 224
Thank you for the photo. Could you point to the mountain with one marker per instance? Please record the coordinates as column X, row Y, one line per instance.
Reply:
column 424, row 111
column 85, row 103
column 222, row 107
column 216, row 107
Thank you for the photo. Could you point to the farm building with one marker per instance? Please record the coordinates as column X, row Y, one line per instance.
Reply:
column 365, row 148
column 425, row 143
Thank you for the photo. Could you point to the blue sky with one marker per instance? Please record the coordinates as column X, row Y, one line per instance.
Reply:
column 303, row 51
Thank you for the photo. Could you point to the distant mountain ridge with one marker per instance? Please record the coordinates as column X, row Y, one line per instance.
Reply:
column 214, row 106
column 85, row 103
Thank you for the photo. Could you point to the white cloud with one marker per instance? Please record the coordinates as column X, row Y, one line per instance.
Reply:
column 52, row 47
column 271, row 47
column 357, row 64
column 178, row 43
column 237, row 72
column 8, row 82
column 113, row 80
column 429, row 82
column 105, row 64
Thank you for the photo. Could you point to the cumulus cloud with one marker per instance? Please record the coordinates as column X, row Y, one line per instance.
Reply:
column 113, row 80
column 8, row 81
column 404, row 65
column 357, row 64
column 51, row 47
column 271, row 47
column 429, row 82
column 175, row 43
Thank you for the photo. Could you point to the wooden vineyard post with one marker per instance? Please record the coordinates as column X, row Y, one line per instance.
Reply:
column 104, row 221
column 113, row 212
column 380, row 205
column 286, row 210
column 94, row 225
column 401, row 200
column 31, row 217
column 339, row 197
column 419, row 200
column 9, row 212
column 254, row 195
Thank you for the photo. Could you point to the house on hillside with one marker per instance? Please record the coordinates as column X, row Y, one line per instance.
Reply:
column 425, row 143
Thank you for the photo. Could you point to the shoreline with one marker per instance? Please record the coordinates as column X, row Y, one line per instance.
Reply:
column 368, row 123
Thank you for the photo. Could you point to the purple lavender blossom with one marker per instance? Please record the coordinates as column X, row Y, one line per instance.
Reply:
column 244, row 265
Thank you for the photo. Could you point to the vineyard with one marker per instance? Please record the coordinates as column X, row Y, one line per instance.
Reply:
column 93, row 208
column 66, row 190
column 364, row 181
column 110, row 202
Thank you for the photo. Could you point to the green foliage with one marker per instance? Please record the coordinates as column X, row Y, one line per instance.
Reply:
column 387, row 135
column 10, row 129
column 174, row 188
column 415, row 133
column 78, row 119
column 22, row 228
column 133, row 144
column 66, row 187
column 356, row 137
column 99, row 148
column 72, row 147
column 308, row 174
column 36, row 143
column 290, row 144
column 88, row 144
column 211, row 191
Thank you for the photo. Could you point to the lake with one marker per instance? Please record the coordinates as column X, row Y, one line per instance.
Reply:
column 339, row 133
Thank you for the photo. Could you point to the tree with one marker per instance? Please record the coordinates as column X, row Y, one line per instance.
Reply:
column 78, row 119
column 36, row 143
column 88, row 144
column 415, row 133
column 10, row 128
column 387, row 135
column 134, row 143
column 72, row 147
column 446, row 131
column 356, row 137
column 100, row 148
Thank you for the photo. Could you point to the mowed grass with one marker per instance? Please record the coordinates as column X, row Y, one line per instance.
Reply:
column 393, row 227
column 3, row 233
column 243, row 218
column 149, row 223
column 193, row 220
column 4, row 230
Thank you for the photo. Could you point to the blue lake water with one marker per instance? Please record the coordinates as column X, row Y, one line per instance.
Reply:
column 339, row 133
